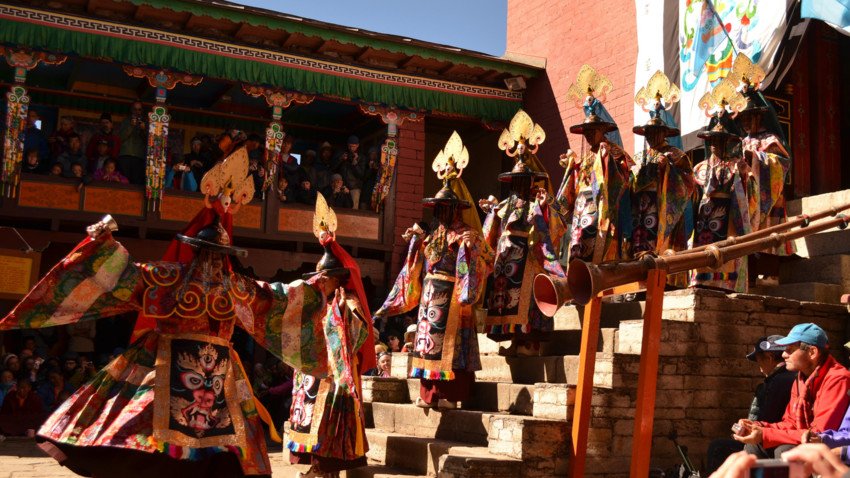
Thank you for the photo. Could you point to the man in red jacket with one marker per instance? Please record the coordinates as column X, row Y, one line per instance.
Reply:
column 819, row 397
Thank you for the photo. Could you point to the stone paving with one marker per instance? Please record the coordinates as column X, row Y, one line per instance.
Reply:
column 20, row 458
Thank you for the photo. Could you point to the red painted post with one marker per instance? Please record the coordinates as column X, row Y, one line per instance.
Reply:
column 648, row 374
column 584, row 390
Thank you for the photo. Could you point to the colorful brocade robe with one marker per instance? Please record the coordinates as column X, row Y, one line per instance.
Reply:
column 442, row 275
column 662, row 191
column 595, row 193
column 518, row 231
column 179, row 389
column 722, row 212
column 766, row 183
column 327, row 417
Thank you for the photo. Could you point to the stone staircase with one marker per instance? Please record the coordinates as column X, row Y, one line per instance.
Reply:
column 821, row 273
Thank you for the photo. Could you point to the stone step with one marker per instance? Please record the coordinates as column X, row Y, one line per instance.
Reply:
column 805, row 291
column 465, row 426
column 379, row 471
column 423, row 455
column 831, row 269
column 824, row 244
column 558, row 342
column 528, row 370
column 386, row 390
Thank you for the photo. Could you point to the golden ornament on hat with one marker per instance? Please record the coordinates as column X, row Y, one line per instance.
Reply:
column 324, row 219
column 589, row 82
column 230, row 177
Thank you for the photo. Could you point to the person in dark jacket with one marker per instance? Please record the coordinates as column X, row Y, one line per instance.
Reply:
column 337, row 194
column 770, row 400
column 352, row 167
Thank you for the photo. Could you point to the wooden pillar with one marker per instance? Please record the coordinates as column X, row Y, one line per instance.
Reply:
column 801, row 124
column 17, row 107
column 827, row 120
column 648, row 374
column 158, row 119
column 402, row 165
column 584, row 389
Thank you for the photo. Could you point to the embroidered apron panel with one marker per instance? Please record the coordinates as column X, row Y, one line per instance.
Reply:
column 584, row 227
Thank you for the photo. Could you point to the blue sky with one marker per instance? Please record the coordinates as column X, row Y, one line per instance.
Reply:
column 478, row 25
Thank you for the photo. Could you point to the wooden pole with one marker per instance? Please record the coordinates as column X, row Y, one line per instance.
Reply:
column 584, row 390
column 648, row 374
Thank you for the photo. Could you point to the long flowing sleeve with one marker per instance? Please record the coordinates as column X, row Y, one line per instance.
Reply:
column 97, row 279
column 471, row 267
column 542, row 242
column 767, row 180
column 288, row 323
column 407, row 289
column 492, row 225
column 674, row 200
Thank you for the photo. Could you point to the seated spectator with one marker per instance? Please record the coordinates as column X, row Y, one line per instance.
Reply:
column 384, row 364
column 59, row 141
column 32, row 163
column 73, row 155
column 393, row 342
column 22, row 411
column 12, row 364
column 106, row 134
column 770, row 400
column 70, row 364
column 100, row 156
column 56, row 170
column 52, row 391
column 109, row 173
column 199, row 160
column 409, row 337
column 819, row 397
column 179, row 176
column 84, row 372
column 7, row 383
column 284, row 192
column 306, row 194
column 337, row 194
column 30, row 371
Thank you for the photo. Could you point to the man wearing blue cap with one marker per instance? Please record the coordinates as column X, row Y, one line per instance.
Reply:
column 819, row 396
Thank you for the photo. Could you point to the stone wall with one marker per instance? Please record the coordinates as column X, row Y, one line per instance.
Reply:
column 705, row 382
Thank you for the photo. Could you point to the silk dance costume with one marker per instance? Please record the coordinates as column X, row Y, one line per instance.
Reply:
column 764, row 152
column 662, row 186
column 177, row 402
column 327, row 425
column 443, row 276
column 518, row 228
column 595, row 189
column 723, row 208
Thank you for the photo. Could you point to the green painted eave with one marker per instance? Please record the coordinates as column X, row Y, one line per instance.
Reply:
column 361, row 38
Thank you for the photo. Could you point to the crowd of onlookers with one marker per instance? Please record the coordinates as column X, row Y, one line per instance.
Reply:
column 43, row 368
column 117, row 153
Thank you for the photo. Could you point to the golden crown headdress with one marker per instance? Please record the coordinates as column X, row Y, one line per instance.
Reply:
column 589, row 83
column 522, row 134
column 659, row 91
column 745, row 74
column 324, row 219
column 230, row 177
column 725, row 96
column 451, row 160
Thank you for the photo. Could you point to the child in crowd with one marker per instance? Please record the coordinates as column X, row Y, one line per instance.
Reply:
column 109, row 173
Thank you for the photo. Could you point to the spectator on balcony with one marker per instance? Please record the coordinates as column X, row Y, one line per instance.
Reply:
column 56, row 170
column 105, row 133
column 199, row 159
column 133, row 134
column 257, row 171
column 73, row 155
column 284, row 193
column 307, row 168
column 325, row 166
column 370, row 177
column 32, row 163
column 34, row 138
column 59, row 141
column 306, row 194
column 819, row 397
column 101, row 154
column 289, row 166
column 352, row 167
column 337, row 193
column 179, row 176
column 109, row 173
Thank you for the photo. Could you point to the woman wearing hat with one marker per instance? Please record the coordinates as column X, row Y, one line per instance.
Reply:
column 764, row 153
column 177, row 402
column 595, row 188
column 327, row 427
column 443, row 274
column 518, row 230
column 663, row 186
column 722, row 210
